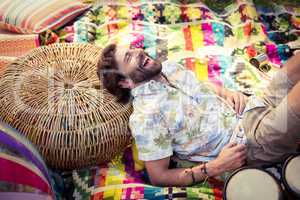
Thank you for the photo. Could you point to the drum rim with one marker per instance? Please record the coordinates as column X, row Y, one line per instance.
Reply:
column 288, row 188
column 250, row 167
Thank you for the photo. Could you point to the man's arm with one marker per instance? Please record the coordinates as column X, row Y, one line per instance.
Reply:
column 231, row 157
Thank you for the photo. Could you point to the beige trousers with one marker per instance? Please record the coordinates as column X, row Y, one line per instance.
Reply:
column 272, row 131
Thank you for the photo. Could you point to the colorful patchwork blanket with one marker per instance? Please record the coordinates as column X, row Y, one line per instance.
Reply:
column 214, row 39
column 121, row 179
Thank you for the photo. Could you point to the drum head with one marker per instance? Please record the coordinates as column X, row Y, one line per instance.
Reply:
column 291, row 174
column 252, row 183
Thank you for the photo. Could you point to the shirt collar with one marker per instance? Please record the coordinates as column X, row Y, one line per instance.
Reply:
column 152, row 86
column 149, row 88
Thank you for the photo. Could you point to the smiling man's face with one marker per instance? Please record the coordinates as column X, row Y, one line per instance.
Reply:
column 136, row 64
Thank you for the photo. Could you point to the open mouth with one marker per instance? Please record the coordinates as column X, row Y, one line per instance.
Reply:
column 145, row 62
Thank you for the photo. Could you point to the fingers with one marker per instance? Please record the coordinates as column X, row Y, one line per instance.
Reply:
column 236, row 102
column 236, row 147
column 238, row 162
column 231, row 101
column 240, row 157
column 241, row 163
column 232, row 156
column 230, row 144
column 242, row 103
column 244, row 157
column 239, row 147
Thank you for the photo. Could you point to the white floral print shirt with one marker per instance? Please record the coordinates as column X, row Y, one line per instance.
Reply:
column 186, row 118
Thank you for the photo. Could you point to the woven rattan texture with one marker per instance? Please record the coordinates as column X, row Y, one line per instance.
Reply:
column 54, row 97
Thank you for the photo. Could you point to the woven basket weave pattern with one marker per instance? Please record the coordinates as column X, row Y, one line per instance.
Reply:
column 53, row 96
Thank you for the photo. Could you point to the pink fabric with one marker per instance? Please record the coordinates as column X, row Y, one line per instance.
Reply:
column 16, row 173
column 24, row 196
column 208, row 34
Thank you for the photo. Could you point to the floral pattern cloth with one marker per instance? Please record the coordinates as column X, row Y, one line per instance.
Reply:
column 185, row 117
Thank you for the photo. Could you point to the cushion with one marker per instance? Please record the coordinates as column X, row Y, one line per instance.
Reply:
column 15, row 45
column 54, row 97
column 35, row 16
column 22, row 167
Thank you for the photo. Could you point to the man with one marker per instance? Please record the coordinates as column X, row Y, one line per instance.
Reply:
column 175, row 114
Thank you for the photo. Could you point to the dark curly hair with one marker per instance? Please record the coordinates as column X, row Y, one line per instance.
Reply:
column 108, row 73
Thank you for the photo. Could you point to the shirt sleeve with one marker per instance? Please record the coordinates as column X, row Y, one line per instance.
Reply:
column 152, row 138
column 170, row 67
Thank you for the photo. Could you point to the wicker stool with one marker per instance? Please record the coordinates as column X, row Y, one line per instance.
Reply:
column 54, row 97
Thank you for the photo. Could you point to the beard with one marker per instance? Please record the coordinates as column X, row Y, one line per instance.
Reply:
column 145, row 74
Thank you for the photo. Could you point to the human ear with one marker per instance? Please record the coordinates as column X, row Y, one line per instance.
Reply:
column 126, row 83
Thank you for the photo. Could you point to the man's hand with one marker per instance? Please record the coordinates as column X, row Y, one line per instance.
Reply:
column 231, row 157
column 236, row 99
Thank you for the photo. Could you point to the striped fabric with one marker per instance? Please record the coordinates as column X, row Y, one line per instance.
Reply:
column 35, row 16
column 13, row 45
column 21, row 165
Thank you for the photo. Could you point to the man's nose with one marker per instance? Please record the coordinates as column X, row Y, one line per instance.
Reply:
column 139, row 53
column 139, row 50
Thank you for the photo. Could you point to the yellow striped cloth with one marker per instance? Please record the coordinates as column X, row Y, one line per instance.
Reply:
column 36, row 16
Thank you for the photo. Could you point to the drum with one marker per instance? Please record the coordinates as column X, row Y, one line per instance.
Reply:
column 250, row 183
column 291, row 175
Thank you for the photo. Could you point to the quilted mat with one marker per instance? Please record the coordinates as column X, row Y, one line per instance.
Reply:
column 214, row 39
